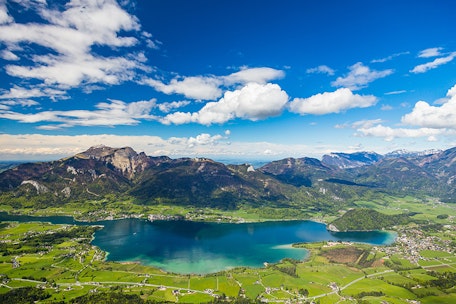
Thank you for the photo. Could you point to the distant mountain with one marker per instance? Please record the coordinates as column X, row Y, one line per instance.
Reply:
column 442, row 165
column 297, row 171
column 5, row 165
column 406, row 153
column 350, row 160
column 399, row 175
column 340, row 177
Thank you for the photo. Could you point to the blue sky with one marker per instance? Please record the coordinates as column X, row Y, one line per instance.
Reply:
column 226, row 79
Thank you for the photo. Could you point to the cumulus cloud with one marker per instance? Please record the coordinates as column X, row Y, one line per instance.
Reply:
column 389, row 133
column 253, row 102
column 112, row 113
column 359, row 77
column 70, row 33
column 194, row 87
column 422, row 68
column 321, row 69
column 331, row 102
column 426, row 115
column 430, row 52
column 203, row 139
column 210, row 87
column 425, row 121
column 260, row 75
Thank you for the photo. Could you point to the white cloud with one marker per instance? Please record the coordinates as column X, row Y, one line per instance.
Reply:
column 430, row 122
column 367, row 123
column 321, row 69
column 389, row 133
column 422, row 68
column 331, row 102
column 166, row 107
column 209, row 87
column 425, row 115
column 260, row 75
column 8, row 55
column 114, row 113
column 20, row 102
column 70, row 34
column 253, row 102
column 430, row 52
column 386, row 107
column 4, row 17
column 396, row 92
column 71, row 72
column 195, row 87
column 390, row 57
column 17, row 92
column 359, row 77
column 203, row 139
column 451, row 92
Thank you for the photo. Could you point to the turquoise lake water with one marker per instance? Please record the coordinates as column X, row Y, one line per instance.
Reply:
column 197, row 247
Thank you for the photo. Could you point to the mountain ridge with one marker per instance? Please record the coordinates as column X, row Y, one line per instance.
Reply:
column 101, row 171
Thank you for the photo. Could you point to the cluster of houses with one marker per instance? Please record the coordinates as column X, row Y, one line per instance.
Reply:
column 409, row 244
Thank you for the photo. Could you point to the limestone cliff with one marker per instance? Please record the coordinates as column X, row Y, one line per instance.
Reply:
column 126, row 160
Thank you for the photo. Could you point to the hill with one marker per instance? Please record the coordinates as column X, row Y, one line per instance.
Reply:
column 368, row 219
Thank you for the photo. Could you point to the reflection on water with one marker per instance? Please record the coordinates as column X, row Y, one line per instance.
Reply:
column 196, row 247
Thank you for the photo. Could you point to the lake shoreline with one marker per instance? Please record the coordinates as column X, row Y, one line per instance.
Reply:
column 182, row 246
column 329, row 227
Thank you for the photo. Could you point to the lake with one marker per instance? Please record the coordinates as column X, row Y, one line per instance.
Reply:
column 199, row 247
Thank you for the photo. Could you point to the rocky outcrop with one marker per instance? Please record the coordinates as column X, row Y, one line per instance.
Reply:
column 125, row 160
column 40, row 189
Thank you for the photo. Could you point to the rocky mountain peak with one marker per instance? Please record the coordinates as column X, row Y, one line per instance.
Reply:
column 125, row 159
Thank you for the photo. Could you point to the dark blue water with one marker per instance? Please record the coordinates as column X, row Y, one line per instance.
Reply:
column 196, row 247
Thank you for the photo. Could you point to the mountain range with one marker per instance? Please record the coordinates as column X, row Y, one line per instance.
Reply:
column 103, row 171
